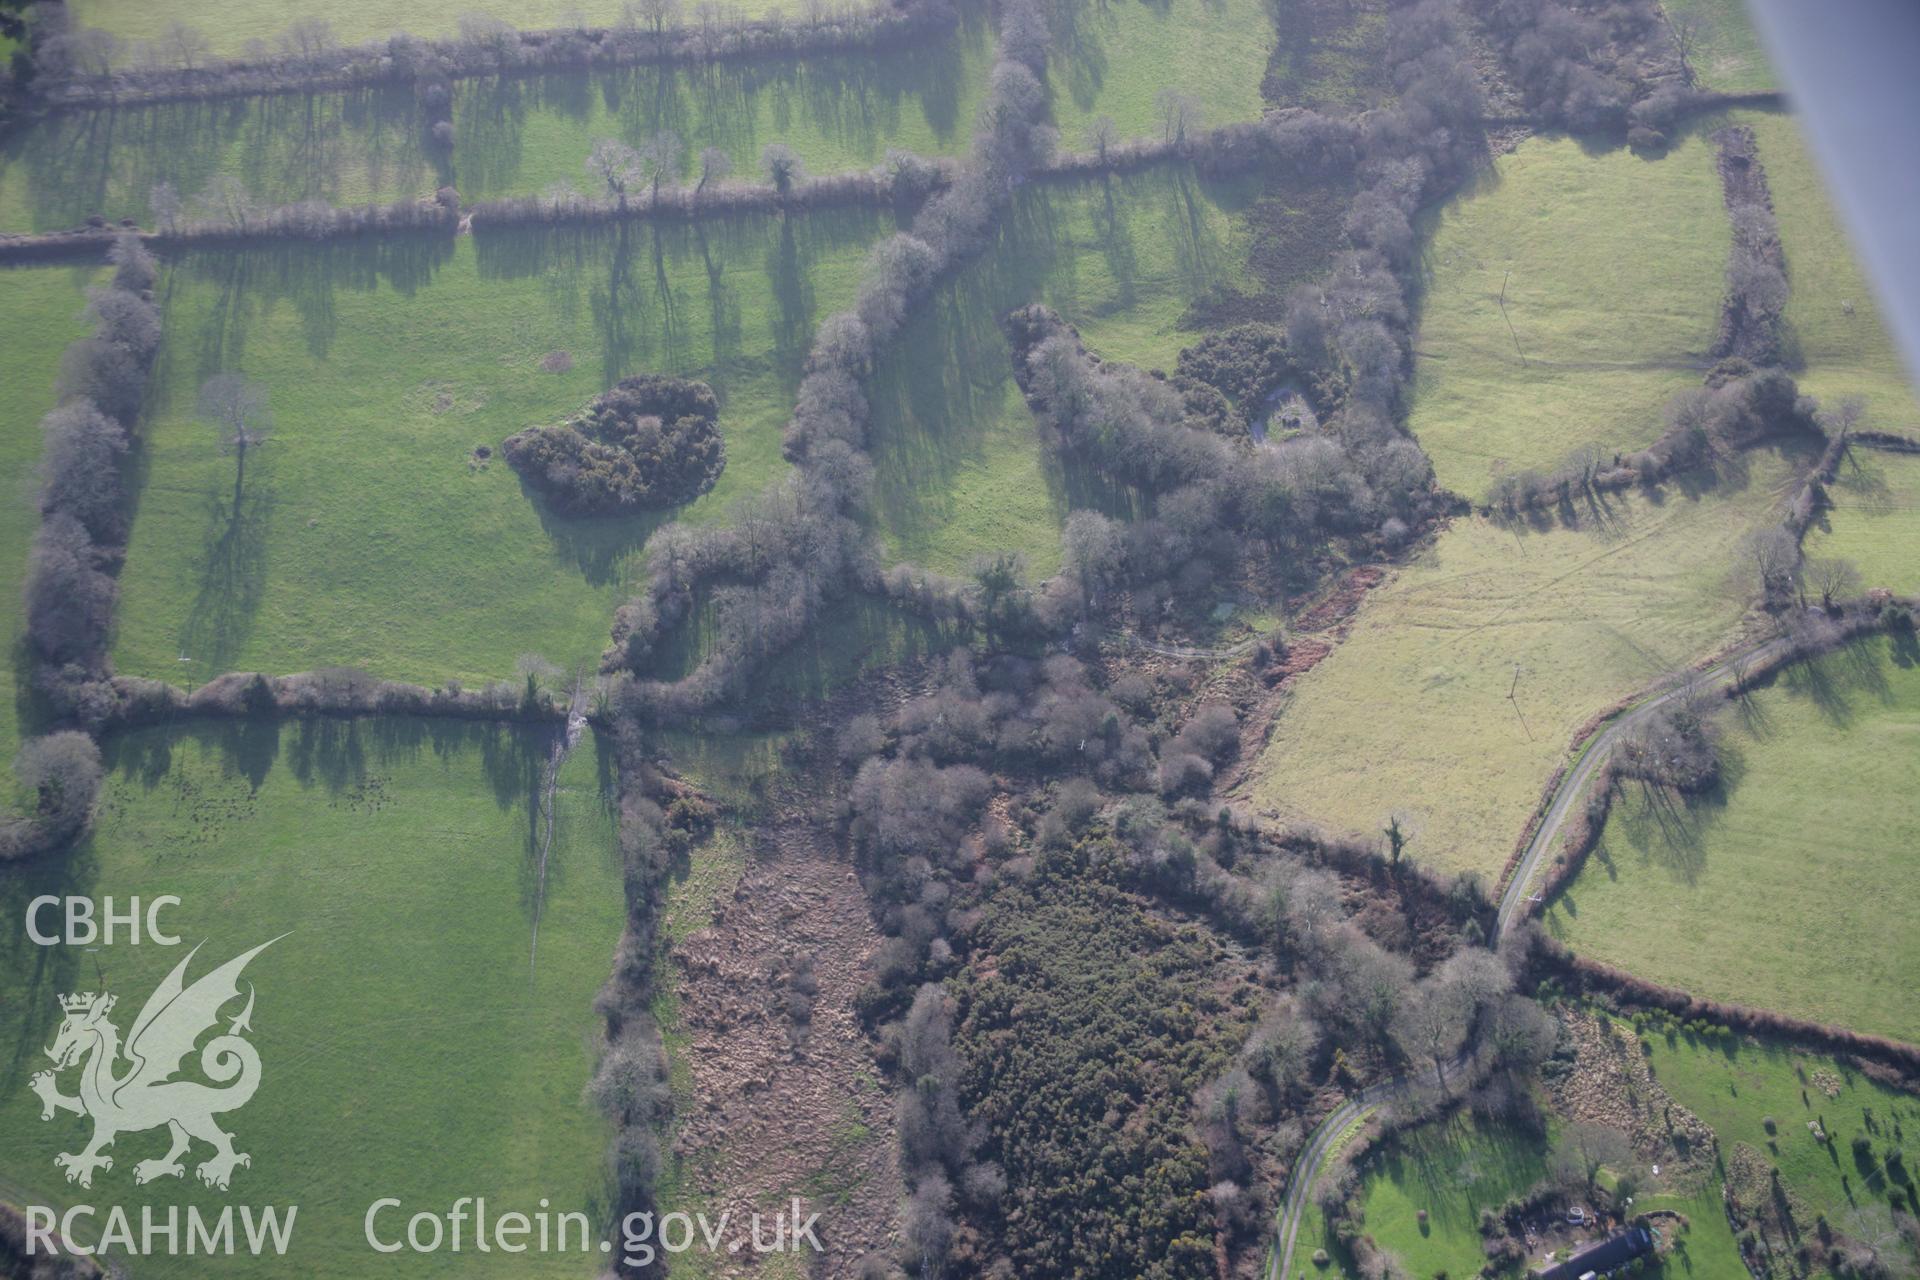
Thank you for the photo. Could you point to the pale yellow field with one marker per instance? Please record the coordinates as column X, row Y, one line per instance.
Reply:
column 354, row 21
column 1613, row 269
column 1874, row 520
column 1410, row 714
column 1835, row 334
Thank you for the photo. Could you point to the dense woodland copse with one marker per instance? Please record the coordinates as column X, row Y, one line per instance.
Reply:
column 646, row 442
column 1356, row 963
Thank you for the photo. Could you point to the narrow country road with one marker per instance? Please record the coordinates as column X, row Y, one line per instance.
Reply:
column 1313, row 1157
column 1512, row 901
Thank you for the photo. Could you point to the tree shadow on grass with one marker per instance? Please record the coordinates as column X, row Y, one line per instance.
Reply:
column 1668, row 828
column 598, row 547
column 1078, row 62
column 37, row 974
column 1834, row 682
column 231, row 574
column 341, row 146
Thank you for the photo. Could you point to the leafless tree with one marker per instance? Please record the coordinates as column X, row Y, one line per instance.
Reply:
column 782, row 166
column 1102, row 134
column 715, row 165
column 1433, row 1025
column 237, row 409
column 1095, row 553
column 225, row 199
column 656, row 15
column 1179, row 114
column 309, row 39
column 1840, row 421
column 1833, row 578
column 1689, row 29
column 485, row 31
column 184, row 46
column 164, row 201
column 87, row 51
column 662, row 157
column 1775, row 556
column 617, row 165
column 1584, row 1149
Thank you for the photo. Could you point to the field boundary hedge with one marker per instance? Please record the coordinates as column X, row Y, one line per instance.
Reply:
column 496, row 50
column 1579, row 975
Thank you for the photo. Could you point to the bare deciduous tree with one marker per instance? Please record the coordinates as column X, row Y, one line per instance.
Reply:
column 237, row 409
column 715, row 165
column 185, row 47
column 617, row 165
column 225, row 199
column 1689, row 29
column 656, row 15
column 309, row 39
column 1833, row 578
column 1584, row 1149
column 1179, row 114
column 782, row 166
column 1102, row 134
column 662, row 157
column 164, row 203
column 1775, row 556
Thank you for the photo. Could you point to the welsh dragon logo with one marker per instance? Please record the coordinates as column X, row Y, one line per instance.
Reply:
column 145, row 1095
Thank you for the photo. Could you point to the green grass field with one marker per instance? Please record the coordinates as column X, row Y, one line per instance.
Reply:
column 355, row 21
column 1454, row 1168
column 961, row 469
column 1729, row 57
column 1737, row 1085
column 1836, row 341
column 514, row 135
column 409, row 1045
column 1329, row 56
column 1612, row 269
column 366, row 534
column 40, row 314
column 1874, row 520
column 1787, row 887
column 1114, row 58
column 1586, row 616
column 344, row 148
column 1451, row 1169
column 522, row 134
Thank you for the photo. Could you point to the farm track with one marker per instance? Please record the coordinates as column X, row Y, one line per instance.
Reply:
column 1598, row 749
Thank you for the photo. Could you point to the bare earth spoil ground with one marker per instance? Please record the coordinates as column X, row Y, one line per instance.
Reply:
column 768, row 1123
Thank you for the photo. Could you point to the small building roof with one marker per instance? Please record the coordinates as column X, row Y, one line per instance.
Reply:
column 1615, row 1251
